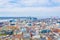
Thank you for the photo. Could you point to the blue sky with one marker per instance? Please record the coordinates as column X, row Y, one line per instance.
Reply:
column 34, row 8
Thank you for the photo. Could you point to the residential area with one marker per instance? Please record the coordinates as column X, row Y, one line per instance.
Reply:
column 29, row 28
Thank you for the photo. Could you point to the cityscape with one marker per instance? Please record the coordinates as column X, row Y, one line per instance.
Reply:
column 29, row 28
column 29, row 19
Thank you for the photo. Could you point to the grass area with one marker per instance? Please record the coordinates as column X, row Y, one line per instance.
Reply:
column 3, row 34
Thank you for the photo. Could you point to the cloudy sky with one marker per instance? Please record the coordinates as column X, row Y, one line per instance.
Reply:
column 34, row 8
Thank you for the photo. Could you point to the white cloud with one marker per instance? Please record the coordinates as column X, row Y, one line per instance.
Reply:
column 16, row 6
column 31, row 9
column 15, row 3
column 34, row 2
column 8, row 5
column 56, row 1
column 43, row 1
column 27, row 3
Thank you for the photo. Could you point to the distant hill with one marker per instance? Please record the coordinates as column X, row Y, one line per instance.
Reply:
column 30, row 18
